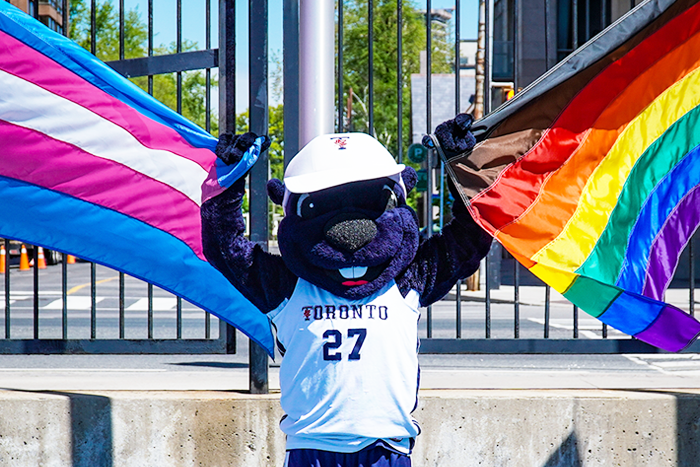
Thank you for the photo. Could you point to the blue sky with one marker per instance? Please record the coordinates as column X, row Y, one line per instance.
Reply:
column 194, row 20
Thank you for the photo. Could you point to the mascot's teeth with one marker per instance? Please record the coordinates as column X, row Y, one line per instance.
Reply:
column 353, row 272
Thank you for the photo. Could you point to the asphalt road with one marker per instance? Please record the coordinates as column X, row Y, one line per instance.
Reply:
column 107, row 297
column 230, row 372
column 442, row 316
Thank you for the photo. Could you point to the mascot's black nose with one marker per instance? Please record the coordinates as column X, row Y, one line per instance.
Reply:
column 350, row 232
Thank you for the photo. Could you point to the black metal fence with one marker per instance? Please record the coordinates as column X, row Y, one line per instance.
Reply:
column 383, row 49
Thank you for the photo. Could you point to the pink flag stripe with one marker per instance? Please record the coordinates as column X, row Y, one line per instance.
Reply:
column 30, row 65
column 100, row 181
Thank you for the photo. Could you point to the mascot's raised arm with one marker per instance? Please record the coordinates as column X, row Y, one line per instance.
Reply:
column 344, row 295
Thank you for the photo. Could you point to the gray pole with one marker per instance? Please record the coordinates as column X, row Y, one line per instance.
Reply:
column 316, row 67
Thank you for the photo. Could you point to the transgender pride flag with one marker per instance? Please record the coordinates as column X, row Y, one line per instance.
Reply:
column 93, row 166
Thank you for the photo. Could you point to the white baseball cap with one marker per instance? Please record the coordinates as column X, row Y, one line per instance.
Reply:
column 332, row 160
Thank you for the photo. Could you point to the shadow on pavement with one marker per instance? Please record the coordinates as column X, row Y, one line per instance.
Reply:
column 227, row 365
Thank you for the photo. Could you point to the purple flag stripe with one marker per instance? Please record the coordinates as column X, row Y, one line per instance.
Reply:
column 673, row 330
column 30, row 65
column 106, row 183
column 670, row 242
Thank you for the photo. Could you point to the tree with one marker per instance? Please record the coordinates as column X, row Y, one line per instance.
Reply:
column 385, row 50
column 385, row 56
column 135, row 45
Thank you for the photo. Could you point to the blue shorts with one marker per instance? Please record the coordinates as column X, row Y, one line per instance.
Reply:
column 374, row 455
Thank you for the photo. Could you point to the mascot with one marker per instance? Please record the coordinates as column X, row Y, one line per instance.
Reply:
column 344, row 295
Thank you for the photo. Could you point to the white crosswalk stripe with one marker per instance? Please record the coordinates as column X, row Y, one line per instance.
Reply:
column 159, row 303
column 74, row 303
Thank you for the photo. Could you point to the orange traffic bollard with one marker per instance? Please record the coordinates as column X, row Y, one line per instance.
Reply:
column 2, row 259
column 41, row 259
column 24, row 259
column 70, row 259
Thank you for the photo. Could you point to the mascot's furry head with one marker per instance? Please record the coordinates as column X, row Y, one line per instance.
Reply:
column 347, row 227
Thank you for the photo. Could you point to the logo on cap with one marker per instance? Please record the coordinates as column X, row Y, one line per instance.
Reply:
column 341, row 142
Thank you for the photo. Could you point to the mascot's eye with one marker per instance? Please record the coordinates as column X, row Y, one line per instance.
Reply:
column 306, row 208
column 389, row 198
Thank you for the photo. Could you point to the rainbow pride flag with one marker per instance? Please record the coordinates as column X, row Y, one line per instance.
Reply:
column 93, row 166
column 591, row 176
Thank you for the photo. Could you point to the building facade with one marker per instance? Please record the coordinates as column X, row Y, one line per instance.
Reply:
column 531, row 36
column 49, row 12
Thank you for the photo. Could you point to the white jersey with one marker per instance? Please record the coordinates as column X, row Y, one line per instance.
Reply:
column 349, row 375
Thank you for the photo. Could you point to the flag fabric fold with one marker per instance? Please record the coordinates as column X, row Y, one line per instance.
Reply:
column 93, row 166
column 590, row 176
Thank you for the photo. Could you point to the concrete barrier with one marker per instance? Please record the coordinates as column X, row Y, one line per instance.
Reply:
column 514, row 428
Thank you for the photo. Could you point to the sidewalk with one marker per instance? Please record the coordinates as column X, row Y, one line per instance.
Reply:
column 230, row 372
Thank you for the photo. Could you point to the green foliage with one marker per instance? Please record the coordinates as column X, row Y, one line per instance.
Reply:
column 136, row 45
column 385, row 55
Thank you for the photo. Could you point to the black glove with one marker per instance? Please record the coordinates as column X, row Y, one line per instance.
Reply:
column 454, row 135
column 230, row 148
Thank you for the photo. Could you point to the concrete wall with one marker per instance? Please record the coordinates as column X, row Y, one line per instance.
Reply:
column 460, row 428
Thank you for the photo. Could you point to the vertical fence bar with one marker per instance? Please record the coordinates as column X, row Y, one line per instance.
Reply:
column 458, row 299
column 121, row 306
column 7, row 289
column 547, row 295
column 207, row 127
column 64, row 296
column 178, row 318
column 429, row 129
column 207, row 326
column 575, row 322
column 178, row 313
column 207, row 84
column 691, row 276
column 458, row 106
column 516, row 299
column 179, row 49
column 150, row 42
column 64, row 18
column 150, row 310
column 341, row 105
column 605, row 331
column 370, row 51
column 93, row 301
column 121, row 30
column 291, row 78
column 227, row 96
column 487, row 300
column 259, row 174
column 399, row 79
column 35, row 258
column 93, row 27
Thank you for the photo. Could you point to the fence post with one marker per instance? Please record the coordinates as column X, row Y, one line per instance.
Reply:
column 227, row 95
column 291, row 78
column 259, row 174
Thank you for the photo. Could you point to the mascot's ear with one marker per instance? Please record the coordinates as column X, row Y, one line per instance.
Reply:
column 275, row 190
column 409, row 177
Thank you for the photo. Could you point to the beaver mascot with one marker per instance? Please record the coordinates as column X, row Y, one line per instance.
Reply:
column 344, row 295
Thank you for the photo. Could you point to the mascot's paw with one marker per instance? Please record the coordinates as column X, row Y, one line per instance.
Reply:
column 231, row 148
column 236, row 154
column 454, row 136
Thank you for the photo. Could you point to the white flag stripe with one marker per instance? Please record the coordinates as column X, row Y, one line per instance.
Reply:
column 75, row 302
column 30, row 106
column 159, row 303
